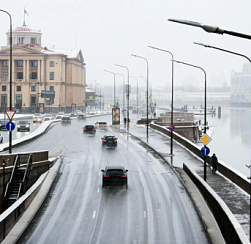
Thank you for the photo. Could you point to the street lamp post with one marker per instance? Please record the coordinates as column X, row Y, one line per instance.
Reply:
column 10, row 132
column 239, row 54
column 171, row 148
column 205, row 112
column 147, row 70
column 224, row 50
column 127, row 94
column 137, row 95
column 92, row 82
column 123, row 93
column 114, row 87
column 210, row 29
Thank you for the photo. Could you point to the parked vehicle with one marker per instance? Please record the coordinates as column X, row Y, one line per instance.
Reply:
column 114, row 176
column 23, row 125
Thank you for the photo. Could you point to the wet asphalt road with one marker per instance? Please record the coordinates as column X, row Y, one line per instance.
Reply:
column 154, row 209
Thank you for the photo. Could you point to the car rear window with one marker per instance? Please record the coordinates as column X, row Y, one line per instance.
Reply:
column 89, row 126
column 109, row 137
column 66, row 118
column 102, row 123
column 115, row 172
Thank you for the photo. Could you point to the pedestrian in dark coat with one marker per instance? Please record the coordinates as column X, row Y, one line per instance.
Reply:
column 214, row 163
column 125, row 121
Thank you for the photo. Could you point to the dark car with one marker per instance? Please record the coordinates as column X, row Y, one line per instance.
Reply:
column 114, row 176
column 81, row 116
column 109, row 141
column 23, row 125
column 66, row 120
column 89, row 129
column 3, row 124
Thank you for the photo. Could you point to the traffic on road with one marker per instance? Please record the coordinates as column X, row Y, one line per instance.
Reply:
column 153, row 208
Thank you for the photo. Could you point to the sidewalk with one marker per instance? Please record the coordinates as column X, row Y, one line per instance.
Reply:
column 235, row 198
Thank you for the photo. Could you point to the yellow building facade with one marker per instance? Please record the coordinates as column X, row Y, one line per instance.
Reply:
column 43, row 79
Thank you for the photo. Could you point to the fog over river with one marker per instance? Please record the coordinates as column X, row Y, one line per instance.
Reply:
column 231, row 137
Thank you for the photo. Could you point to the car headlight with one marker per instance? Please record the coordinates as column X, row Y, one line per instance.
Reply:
column 27, row 126
column 18, row 126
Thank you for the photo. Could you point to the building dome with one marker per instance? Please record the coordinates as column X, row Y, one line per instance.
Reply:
column 25, row 28
column 25, row 36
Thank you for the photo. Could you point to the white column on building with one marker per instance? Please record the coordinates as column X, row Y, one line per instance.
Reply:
column 28, row 70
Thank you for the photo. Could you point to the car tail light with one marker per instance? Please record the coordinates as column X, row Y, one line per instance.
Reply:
column 115, row 140
column 123, row 176
column 106, row 125
column 106, row 176
column 93, row 128
column 104, row 141
column 98, row 125
column 85, row 129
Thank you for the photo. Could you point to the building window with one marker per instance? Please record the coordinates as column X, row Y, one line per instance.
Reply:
column 20, row 75
column 5, row 75
column 33, row 40
column 6, row 63
column 51, row 63
column 21, row 40
column 33, row 100
column 34, row 75
column 18, row 88
column 3, row 88
column 33, row 88
column 20, row 63
column 51, row 75
column 34, row 63
column 4, row 99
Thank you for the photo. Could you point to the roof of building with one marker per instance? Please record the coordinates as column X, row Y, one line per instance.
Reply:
column 70, row 53
column 25, row 28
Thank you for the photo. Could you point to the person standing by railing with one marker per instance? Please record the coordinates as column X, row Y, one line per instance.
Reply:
column 214, row 163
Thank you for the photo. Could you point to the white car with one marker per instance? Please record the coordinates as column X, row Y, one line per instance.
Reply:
column 37, row 115
column 60, row 115
column 101, row 125
column 48, row 117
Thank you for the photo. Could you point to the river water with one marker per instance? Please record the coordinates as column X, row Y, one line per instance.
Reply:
column 231, row 137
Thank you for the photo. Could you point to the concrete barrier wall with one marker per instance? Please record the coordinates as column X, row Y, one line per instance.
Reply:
column 229, row 226
column 225, row 170
column 38, row 168
column 10, row 217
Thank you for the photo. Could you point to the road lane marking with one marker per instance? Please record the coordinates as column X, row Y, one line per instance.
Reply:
column 94, row 214
column 144, row 214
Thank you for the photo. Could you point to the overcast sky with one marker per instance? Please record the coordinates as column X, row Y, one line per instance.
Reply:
column 109, row 31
